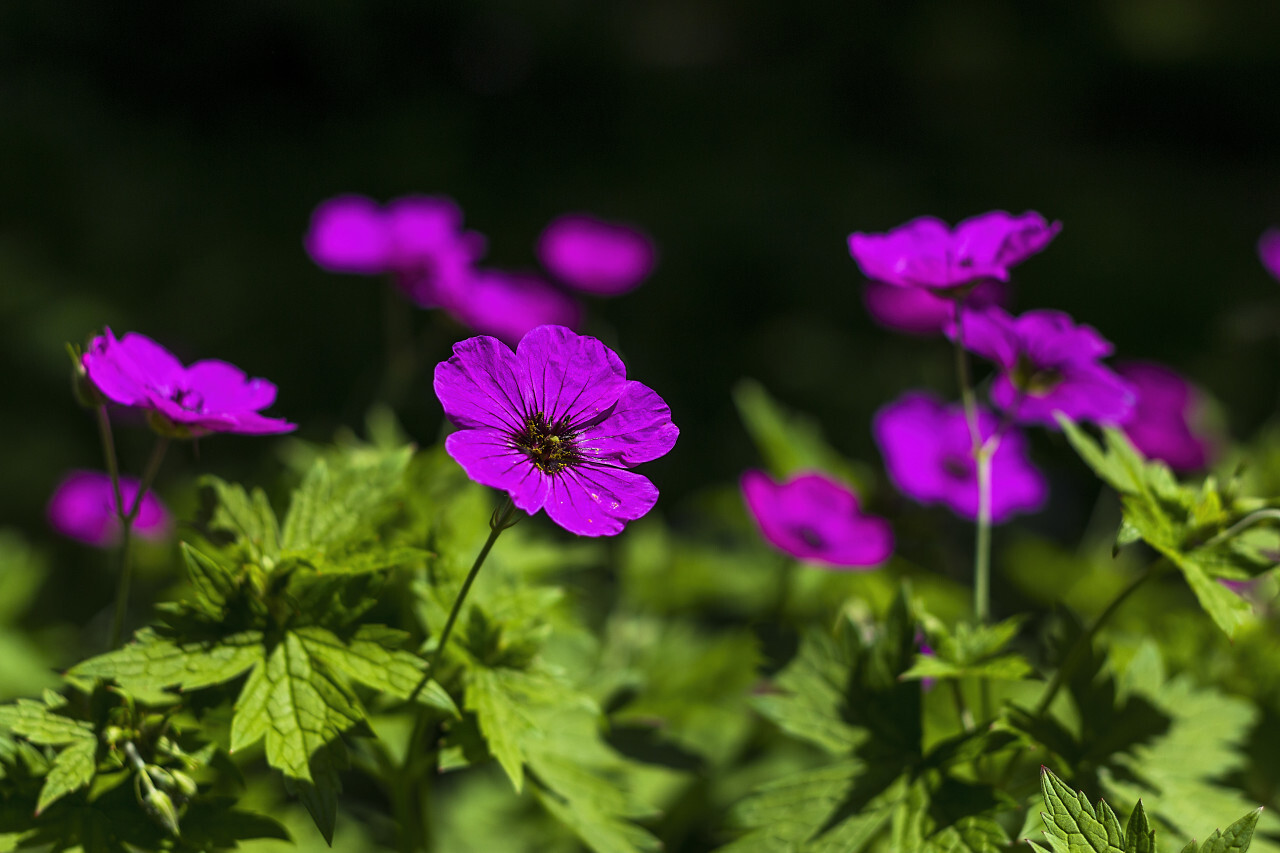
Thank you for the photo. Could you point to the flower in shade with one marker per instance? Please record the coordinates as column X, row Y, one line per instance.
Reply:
column 1047, row 364
column 815, row 518
column 1269, row 250
column 928, row 454
column 209, row 396
column 416, row 239
column 918, row 311
column 594, row 256
column 926, row 252
column 83, row 507
column 507, row 305
column 557, row 425
column 1161, row 423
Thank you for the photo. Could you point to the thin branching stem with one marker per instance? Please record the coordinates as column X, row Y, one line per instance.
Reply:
column 126, row 536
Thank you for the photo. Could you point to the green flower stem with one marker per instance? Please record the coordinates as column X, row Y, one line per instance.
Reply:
column 126, row 530
column 409, row 795
column 982, row 460
column 962, row 707
column 1085, row 641
column 109, row 454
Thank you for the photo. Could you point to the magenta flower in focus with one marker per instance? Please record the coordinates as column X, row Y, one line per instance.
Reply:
column 1269, row 251
column 815, row 518
column 1161, row 423
column 594, row 256
column 557, row 425
column 917, row 311
column 83, row 507
column 416, row 239
column 929, row 457
column 926, row 252
column 1047, row 364
column 507, row 305
column 209, row 396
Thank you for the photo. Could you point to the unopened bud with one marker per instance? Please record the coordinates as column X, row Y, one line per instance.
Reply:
column 160, row 806
column 82, row 387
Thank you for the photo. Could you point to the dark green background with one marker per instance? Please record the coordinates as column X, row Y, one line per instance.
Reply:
column 159, row 162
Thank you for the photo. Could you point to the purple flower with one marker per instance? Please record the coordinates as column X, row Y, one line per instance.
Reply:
column 1047, row 364
column 1161, row 423
column 1269, row 250
column 815, row 518
column 209, row 396
column 417, row 239
column 918, row 311
column 507, row 305
column 594, row 256
column 83, row 507
column 556, row 424
column 926, row 252
column 929, row 457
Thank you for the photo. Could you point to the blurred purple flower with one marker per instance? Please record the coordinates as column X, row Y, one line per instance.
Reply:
column 1047, row 364
column 416, row 239
column 209, row 396
column 1269, row 251
column 507, row 305
column 557, row 425
column 926, row 252
column 929, row 457
column 918, row 311
column 594, row 256
column 1161, row 423
column 815, row 518
column 83, row 507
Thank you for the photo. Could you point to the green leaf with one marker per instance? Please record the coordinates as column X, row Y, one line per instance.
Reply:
column 246, row 516
column 1071, row 819
column 296, row 704
column 75, row 764
column 1006, row 667
column 340, row 496
column 215, row 584
column 151, row 665
column 810, row 695
column 1235, row 839
column 1139, row 837
column 72, row 770
column 374, row 657
column 1228, row 610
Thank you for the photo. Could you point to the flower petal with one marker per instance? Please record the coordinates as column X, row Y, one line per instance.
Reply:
column 638, row 429
column 595, row 256
column 479, row 385
column 989, row 332
column 127, row 369
column 226, row 388
column 596, row 500
column 567, row 376
column 490, row 459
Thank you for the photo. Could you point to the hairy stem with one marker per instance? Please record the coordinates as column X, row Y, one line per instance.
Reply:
column 982, row 461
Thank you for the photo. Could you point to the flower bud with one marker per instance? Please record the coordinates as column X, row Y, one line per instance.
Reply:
column 82, row 387
column 160, row 806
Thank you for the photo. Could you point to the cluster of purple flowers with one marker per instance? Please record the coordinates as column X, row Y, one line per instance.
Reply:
column 420, row 243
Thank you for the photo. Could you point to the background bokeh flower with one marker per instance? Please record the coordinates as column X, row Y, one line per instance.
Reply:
column 815, row 518
column 1166, row 417
column 507, row 305
column 918, row 311
column 595, row 256
column 83, row 507
column 928, row 455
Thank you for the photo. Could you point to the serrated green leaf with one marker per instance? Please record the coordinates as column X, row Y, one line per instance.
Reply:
column 150, row 665
column 811, row 692
column 247, row 516
column 1228, row 610
column 1139, row 837
column 781, row 814
column 296, row 704
column 319, row 794
column 214, row 583
column 1006, row 667
column 339, row 496
column 1235, row 839
column 35, row 722
column 1070, row 818
column 506, row 725
column 374, row 657
column 72, row 770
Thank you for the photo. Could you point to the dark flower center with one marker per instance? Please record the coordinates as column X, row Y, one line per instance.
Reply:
column 809, row 536
column 957, row 467
column 192, row 401
column 550, row 446
column 1031, row 379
